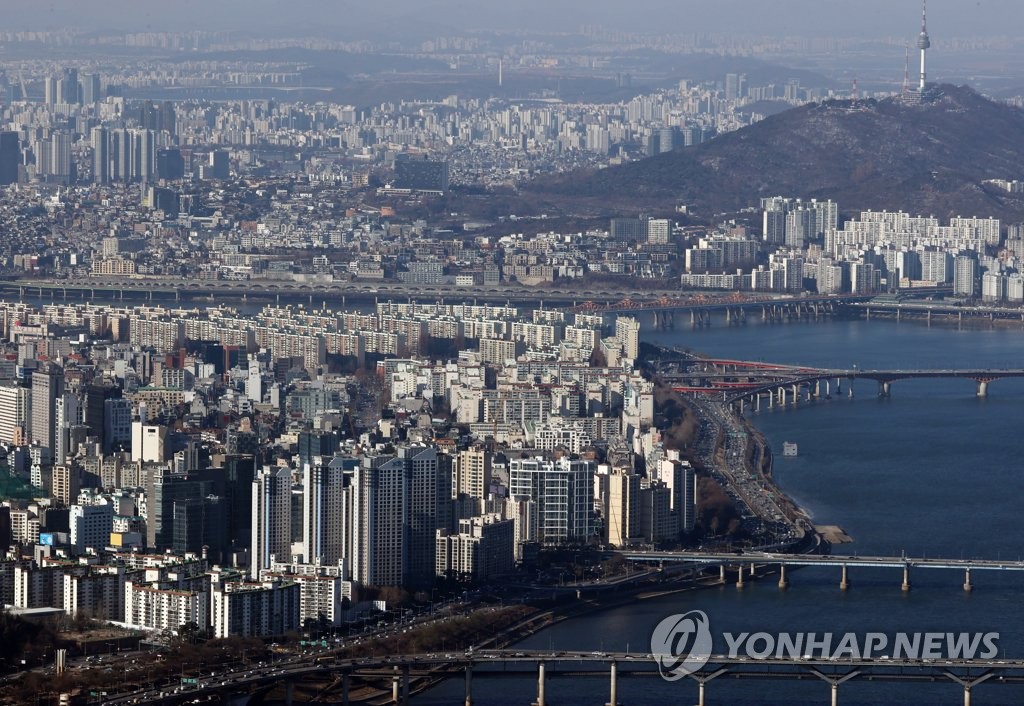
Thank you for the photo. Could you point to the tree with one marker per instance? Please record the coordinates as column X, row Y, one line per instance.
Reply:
column 190, row 633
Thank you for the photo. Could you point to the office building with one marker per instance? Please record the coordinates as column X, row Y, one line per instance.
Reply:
column 420, row 173
column 10, row 157
column 100, row 155
column 47, row 386
column 164, row 489
column 91, row 526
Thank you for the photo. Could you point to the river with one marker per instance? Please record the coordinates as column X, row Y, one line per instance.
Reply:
column 932, row 470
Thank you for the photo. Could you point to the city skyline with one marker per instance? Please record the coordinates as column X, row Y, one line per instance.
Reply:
column 336, row 339
column 320, row 17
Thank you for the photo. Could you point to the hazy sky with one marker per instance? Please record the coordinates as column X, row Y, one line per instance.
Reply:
column 349, row 17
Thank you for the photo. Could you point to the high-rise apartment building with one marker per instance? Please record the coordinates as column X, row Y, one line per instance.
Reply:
column 379, row 524
column 14, row 413
column 327, row 509
column 622, row 511
column 563, row 491
column 271, row 518
column 473, row 472
column 965, row 276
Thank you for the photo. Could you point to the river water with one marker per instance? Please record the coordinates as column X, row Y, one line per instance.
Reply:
column 932, row 470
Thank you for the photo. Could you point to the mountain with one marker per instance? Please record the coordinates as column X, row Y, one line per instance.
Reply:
column 929, row 158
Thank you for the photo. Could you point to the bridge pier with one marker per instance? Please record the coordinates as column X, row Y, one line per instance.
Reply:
column 796, row 394
column 752, row 574
column 739, row 577
column 469, row 685
column 884, row 388
column 905, row 586
column 967, row 580
column 844, row 580
column 982, row 388
column 540, row 686
column 703, row 680
column 834, row 682
column 721, row 573
column 782, row 397
column 783, row 581
column 969, row 684
column 757, row 402
column 613, row 688
column 396, row 684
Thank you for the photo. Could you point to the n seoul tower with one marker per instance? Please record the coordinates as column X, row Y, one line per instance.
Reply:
column 923, row 42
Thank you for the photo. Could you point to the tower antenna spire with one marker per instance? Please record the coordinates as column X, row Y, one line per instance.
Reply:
column 906, row 70
column 923, row 42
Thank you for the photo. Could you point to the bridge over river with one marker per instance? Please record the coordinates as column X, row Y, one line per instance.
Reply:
column 409, row 673
column 741, row 381
column 747, row 564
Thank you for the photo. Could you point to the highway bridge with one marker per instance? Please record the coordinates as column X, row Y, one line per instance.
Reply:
column 937, row 311
column 742, row 381
column 176, row 289
column 662, row 305
column 746, row 565
column 408, row 673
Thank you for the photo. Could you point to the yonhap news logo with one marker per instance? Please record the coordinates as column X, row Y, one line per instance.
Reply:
column 682, row 644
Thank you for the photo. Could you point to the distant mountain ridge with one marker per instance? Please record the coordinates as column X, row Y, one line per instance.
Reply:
column 930, row 158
